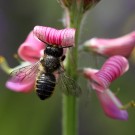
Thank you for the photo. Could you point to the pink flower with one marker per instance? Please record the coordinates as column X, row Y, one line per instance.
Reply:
column 113, row 68
column 31, row 49
column 109, row 102
column 109, row 47
column 64, row 37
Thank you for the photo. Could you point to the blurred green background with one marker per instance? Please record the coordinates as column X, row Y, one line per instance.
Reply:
column 25, row 114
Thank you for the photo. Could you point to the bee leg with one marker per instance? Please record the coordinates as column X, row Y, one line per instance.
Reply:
column 61, row 69
column 63, row 58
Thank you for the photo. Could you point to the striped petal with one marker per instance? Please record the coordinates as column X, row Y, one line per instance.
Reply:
column 113, row 68
column 64, row 37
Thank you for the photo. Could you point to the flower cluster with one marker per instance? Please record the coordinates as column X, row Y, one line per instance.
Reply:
column 32, row 49
column 100, row 80
column 118, row 50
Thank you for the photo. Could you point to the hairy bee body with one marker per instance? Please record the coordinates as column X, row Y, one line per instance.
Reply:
column 45, row 85
column 51, row 64
column 46, row 80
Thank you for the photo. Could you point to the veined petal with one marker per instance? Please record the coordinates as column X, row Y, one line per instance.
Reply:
column 19, row 86
column 30, row 49
column 111, row 105
column 113, row 68
column 64, row 37
column 109, row 47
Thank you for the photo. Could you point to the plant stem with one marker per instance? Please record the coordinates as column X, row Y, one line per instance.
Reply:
column 70, row 103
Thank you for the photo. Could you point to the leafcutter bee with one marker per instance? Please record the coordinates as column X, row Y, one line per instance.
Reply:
column 45, row 71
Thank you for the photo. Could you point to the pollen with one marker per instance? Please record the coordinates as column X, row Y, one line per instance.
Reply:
column 2, row 59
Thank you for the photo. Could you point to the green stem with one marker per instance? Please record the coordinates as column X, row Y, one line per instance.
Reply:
column 70, row 103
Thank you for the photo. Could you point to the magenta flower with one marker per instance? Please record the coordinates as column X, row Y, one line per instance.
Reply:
column 31, row 49
column 109, row 102
column 109, row 47
column 113, row 68
column 64, row 37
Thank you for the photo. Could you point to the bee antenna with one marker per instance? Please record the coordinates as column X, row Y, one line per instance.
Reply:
column 44, row 42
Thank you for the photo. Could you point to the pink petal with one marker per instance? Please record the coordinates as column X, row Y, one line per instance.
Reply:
column 64, row 37
column 89, row 72
column 111, row 105
column 30, row 49
column 109, row 47
column 113, row 68
column 23, row 87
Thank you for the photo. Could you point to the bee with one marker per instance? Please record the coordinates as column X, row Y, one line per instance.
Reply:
column 45, row 71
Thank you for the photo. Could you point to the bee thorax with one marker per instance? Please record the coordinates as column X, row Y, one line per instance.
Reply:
column 51, row 64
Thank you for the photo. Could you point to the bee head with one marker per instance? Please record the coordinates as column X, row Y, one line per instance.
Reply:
column 53, row 51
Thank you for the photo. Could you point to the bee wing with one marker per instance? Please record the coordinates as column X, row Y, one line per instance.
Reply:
column 25, row 74
column 70, row 86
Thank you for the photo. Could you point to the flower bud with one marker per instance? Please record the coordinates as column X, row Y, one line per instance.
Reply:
column 66, row 3
column 87, row 4
column 79, row 5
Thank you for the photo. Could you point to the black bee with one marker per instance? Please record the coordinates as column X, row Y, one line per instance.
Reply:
column 45, row 72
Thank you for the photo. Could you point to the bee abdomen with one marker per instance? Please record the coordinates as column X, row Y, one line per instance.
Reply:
column 45, row 85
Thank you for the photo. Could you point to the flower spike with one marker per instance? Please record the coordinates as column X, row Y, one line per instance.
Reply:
column 64, row 37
